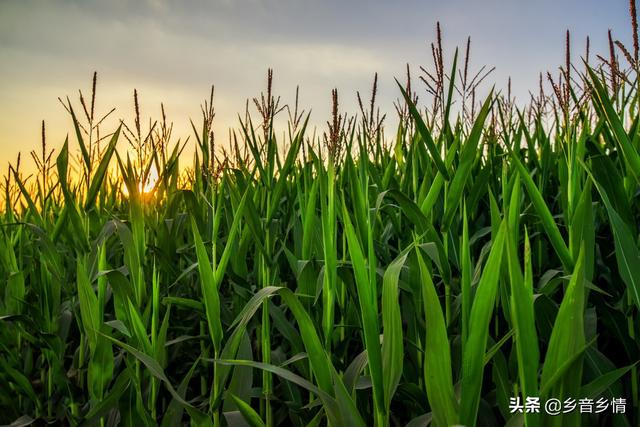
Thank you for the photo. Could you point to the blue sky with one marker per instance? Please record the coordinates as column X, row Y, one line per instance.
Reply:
column 172, row 51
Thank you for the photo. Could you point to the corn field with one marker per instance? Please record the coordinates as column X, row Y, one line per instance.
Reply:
column 479, row 252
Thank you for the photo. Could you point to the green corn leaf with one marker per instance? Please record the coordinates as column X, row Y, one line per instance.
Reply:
column 607, row 112
column 468, row 155
column 627, row 252
column 437, row 358
column 248, row 413
column 209, row 290
column 424, row 133
column 89, row 310
column 595, row 388
column 392, row 343
column 567, row 343
column 548, row 223
column 367, row 298
column 522, row 318
column 479, row 320
column 81, row 143
column 98, row 177
column 465, row 286
column 154, row 368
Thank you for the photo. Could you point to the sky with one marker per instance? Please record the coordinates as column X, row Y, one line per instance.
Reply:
column 173, row 51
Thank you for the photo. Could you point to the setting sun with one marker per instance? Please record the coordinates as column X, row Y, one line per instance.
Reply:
column 144, row 187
